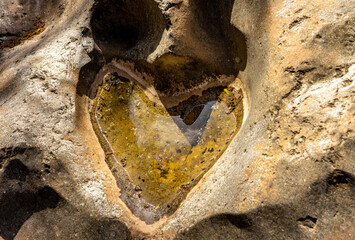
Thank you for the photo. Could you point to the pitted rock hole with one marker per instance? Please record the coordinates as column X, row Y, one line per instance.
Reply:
column 127, row 28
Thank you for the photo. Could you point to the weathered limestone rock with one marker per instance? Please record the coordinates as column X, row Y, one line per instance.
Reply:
column 289, row 173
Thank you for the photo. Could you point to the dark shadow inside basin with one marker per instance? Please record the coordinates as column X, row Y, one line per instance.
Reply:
column 194, row 123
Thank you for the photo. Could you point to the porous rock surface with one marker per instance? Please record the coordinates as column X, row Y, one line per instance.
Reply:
column 288, row 174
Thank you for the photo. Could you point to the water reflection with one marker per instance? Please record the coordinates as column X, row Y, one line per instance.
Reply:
column 194, row 124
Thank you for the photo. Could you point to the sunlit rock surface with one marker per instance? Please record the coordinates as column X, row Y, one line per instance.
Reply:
column 288, row 173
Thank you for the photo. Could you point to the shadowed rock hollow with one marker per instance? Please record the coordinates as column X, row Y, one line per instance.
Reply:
column 127, row 28
column 176, row 119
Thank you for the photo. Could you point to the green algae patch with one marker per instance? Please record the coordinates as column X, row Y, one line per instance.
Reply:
column 163, row 154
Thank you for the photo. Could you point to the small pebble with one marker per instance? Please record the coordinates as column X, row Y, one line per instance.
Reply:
column 124, row 162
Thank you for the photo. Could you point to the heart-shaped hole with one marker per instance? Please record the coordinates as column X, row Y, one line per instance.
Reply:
column 165, row 150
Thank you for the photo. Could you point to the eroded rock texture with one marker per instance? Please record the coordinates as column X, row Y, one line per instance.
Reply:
column 288, row 173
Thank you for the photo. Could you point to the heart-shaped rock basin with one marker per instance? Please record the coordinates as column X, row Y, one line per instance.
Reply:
column 164, row 150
